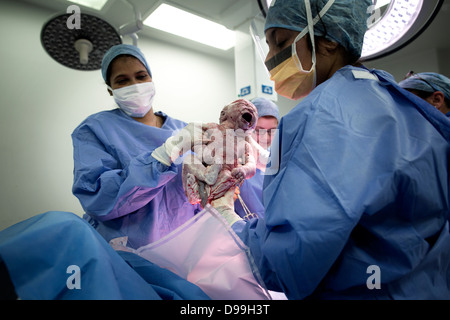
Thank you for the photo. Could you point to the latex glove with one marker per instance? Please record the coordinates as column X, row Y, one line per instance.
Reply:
column 237, row 192
column 225, row 206
column 177, row 145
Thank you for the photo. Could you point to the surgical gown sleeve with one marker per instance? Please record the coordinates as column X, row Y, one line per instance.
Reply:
column 112, row 176
column 350, row 154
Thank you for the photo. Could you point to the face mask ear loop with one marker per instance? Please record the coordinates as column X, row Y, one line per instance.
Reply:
column 311, row 23
column 309, row 29
column 294, row 49
column 311, row 32
column 316, row 19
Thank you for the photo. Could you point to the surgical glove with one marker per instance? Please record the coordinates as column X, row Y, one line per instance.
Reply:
column 225, row 206
column 177, row 145
column 237, row 192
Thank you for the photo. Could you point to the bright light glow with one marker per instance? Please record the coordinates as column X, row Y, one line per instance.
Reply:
column 93, row 4
column 187, row 25
column 392, row 26
column 382, row 3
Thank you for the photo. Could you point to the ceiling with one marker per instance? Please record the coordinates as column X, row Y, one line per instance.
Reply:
column 231, row 13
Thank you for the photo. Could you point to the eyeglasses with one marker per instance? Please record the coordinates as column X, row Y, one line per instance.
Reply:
column 414, row 75
column 263, row 132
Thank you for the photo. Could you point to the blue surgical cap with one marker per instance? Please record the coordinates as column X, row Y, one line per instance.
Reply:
column 266, row 107
column 428, row 82
column 118, row 50
column 345, row 22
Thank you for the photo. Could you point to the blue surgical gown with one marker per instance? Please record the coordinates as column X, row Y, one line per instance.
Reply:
column 251, row 194
column 361, row 196
column 122, row 188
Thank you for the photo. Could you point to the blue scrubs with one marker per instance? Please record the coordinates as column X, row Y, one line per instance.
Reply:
column 251, row 194
column 122, row 188
column 363, row 182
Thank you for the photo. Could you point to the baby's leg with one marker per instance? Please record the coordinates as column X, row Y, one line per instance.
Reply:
column 211, row 173
column 204, row 173
column 192, row 189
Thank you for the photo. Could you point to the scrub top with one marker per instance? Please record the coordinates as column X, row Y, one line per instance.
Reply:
column 124, row 191
column 359, row 207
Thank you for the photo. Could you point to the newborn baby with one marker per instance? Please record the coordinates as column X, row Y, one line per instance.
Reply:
column 223, row 157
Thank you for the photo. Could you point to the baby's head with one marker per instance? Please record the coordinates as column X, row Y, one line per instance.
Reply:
column 240, row 114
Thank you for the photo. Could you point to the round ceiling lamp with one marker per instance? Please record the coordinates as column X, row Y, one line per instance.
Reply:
column 79, row 48
column 396, row 23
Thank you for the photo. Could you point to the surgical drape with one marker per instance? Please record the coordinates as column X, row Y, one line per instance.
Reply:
column 59, row 256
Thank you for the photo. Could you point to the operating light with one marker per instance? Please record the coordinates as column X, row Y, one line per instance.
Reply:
column 93, row 4
column 190, row 26
column 395, row 23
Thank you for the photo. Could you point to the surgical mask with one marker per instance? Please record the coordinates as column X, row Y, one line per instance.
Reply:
column 135, row 100
column 291, row 79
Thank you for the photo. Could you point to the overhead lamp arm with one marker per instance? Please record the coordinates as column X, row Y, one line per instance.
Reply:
column 131, row 28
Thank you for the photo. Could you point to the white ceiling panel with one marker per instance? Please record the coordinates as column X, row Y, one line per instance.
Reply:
column 231, row 13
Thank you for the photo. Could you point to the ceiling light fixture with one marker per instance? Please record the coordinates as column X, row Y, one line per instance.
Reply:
column 400, row 23
column 190, row 26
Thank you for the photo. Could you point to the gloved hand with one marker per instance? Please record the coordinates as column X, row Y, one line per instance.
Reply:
column 237, row 192
column 177, row 145
column 225, row 206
